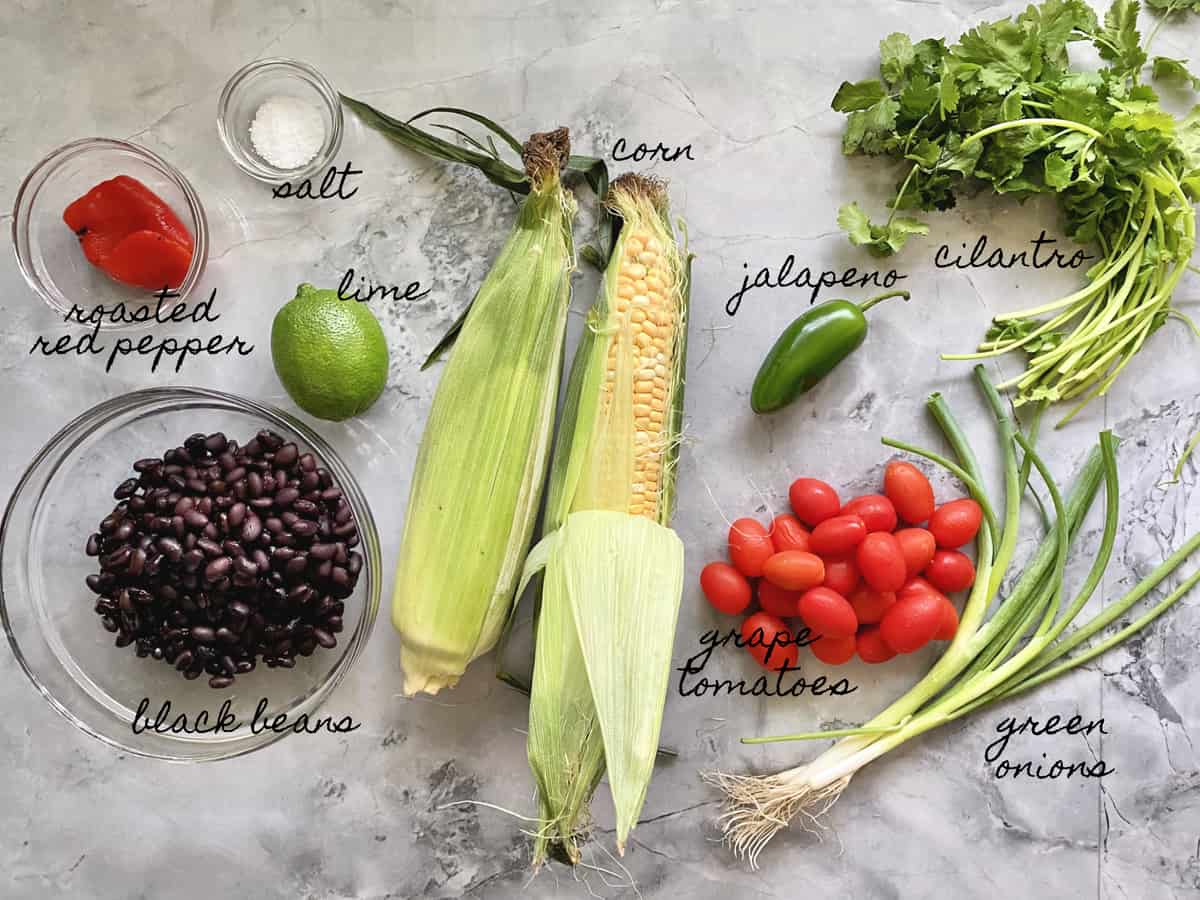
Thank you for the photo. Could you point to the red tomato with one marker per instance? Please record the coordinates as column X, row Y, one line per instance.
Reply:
column 725, row 587
column 870, row 605
column 950, row 571
column 956, row 522
column 837, row 536
column 834, row 651
column 909, row 490
column 841, row 575
column 788, row 534
column 918, row 547
column 876, row 511
column 769, row 641
column 881, row 561
column 949, row 625
column 749, row 546
column 795, row 570
column 813, row 500
column 871, row 647
column 827, row 612
column 777, row 601
column 915, row 586
column 911, row 622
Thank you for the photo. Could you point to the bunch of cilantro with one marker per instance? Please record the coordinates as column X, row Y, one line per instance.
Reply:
column 1003, row 108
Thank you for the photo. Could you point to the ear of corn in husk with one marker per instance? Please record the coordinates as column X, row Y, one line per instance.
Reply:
column 479, row 472
column 613, row 569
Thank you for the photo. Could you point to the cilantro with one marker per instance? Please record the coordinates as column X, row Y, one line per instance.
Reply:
column 1002, row 109
column 880, row 240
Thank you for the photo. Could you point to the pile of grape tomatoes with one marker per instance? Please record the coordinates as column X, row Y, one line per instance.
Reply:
column 869, row 577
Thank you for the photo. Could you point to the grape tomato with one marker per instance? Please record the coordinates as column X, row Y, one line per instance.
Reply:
column 909, row 490
column 875, row 510
column 725, row 587
column 881, row 561
column 788, row 534
column 911, row 622
column 769, row 641
column 837, row 536
column 794, row 570
column 872, row 648
column 869, row 604
column 827, row 612
column 834, row 651
column 955, row 523
column 950, row 571
column 813, row 500
column 749, row 546
column 778, row 601
column 918, row 547
column 841, row 575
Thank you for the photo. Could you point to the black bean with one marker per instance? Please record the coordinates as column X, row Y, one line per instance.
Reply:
column 210, row 531
column 124, row 531
column 324, row 638
column 126, row 488
column 216, row 442
column 296, row 566
column 137, row 562
column 304, row 528
column 195, row 520
column 254, row 485
column 93, row 583
column 306, row 508
column 218, row 568
column 203, row 634
column 309, row 482
column 220, row 681
column 232, row 548
column 118, row 558
column 178, row 526
column 145, row 465
column 237, row 514
column 322, row 551
column 244, row 565
column 262, row 503
column 285, row 497
column 184, row 659
column 93, row 544
column 286, row 455
column 211, row 549
column 333, row 624
column 252, row 528
column 124, row 639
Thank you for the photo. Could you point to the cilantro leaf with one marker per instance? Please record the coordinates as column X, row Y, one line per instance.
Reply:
column 1164, row 68
column 1016, row 329
column 896, row 54
column 1168, row 6
column 880, row 240
column 857, row 95
column 1119, row 41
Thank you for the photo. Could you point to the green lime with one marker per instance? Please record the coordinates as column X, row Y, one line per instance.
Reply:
column 329, row 353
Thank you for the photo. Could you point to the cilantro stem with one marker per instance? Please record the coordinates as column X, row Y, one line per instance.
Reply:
column 1065, row 124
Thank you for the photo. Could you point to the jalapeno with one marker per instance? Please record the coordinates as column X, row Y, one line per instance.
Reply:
column 809, row 349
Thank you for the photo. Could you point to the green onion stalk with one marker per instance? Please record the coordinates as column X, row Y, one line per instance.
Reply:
column 1004, row 646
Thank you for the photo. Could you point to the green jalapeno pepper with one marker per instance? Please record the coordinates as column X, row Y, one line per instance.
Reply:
column 809, row 349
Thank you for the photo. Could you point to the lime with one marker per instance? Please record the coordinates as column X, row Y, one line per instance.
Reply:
column 329, row 353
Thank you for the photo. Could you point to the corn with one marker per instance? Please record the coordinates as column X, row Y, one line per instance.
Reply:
column 613, row 569
column 479, row 472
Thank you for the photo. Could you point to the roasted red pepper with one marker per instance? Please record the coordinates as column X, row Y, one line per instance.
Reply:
column 128, row 232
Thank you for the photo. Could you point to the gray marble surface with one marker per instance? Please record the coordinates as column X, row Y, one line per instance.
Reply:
column 747, row 84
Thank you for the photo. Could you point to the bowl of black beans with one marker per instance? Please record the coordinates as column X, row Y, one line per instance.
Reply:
column 188, row 574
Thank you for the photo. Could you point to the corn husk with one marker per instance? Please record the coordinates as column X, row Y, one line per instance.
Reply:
column 482, row 460
column 612, row 579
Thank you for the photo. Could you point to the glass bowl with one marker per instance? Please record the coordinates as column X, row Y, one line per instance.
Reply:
column 259, row 81
column 48, row 252
column 47, row 610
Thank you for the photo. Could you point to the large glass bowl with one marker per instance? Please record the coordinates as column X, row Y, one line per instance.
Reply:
column 47, row 610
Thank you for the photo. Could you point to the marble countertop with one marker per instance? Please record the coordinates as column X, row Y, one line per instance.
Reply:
column 747, row 85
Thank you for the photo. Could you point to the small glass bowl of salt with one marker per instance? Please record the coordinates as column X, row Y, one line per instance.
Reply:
column 280, row 120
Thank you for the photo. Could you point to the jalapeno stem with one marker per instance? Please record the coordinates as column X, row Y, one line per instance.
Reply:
column 867, row 304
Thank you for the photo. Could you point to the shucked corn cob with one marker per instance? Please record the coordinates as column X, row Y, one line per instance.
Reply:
column 482, row 460
column 613, row 569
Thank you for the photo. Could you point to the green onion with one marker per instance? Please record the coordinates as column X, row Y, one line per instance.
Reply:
column 1024, row 641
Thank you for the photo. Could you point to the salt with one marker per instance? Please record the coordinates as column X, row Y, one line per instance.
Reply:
column 287, row 132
